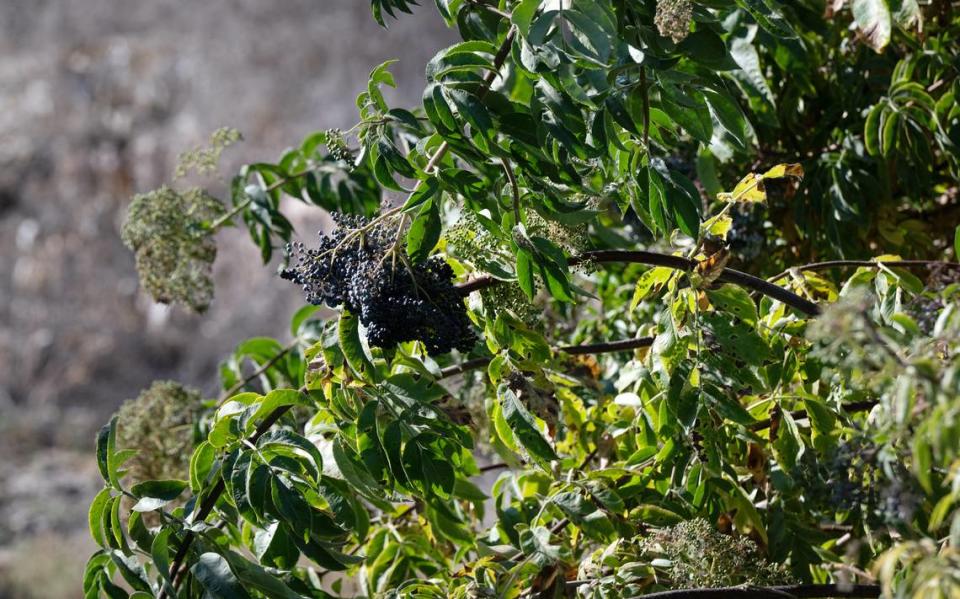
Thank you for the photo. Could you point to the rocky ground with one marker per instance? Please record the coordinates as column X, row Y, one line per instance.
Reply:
column 99, row 97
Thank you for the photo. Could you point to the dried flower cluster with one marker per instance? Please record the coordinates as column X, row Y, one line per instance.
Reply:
column 159, row 424
column 673, row 18
column 205, row 160
column 169, row 234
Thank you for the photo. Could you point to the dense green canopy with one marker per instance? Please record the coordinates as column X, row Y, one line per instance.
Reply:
column 647, row 296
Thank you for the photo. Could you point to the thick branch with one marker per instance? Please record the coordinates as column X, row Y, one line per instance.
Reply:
column 850, row 408
column 573, row 350
column 798, row 591
column 728, row 275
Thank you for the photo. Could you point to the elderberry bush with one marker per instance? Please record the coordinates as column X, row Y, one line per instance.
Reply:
column 396, row 300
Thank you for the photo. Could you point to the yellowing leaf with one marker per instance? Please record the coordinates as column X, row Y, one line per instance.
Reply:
column 784, row 170
column 749, row 189
column 709, row 269
column 718, row 226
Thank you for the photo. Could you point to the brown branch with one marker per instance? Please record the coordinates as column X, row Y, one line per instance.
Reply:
column 497, row 466
column 850, row 408
column 910, row 264
column 727, row 275
column 573, row 350
column 797, row 591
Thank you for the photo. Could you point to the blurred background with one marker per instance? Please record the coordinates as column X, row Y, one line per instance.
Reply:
column 97, row 99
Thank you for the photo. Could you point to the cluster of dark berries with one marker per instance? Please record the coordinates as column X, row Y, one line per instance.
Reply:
column 746, row 237
column 925, row 311
column 860, row 476
column 395, row 300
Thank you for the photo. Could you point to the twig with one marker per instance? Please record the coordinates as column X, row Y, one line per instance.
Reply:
column 497, row 466
column 607, row 347
column 911, row 264
column 515, row 189
column 263, row 368
column 242, row 205
column 488, row 8
column 728, row 275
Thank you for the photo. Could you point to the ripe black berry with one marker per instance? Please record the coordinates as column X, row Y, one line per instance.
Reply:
column 395, row 300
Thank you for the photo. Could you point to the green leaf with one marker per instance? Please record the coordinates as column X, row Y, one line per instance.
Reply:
column 214, row 574
column 272, row 401
column 95, row 516
column 424, row 232
column 875, row 22
column 734, row 300
column 274, row 547
column 728, row 115
column 155, row 494
column 821, row 417
column 956, row 244
column 300, row 317
column 253, row 576
column 522, row 15
column 657, row 201
column 788, row 445
column 871, row 129
column 891, row 128
column 524, row 426
column 683, row 203
column 201, row 463
column 768, row 15
column 348, row 330
column 525, row 264
column 424, row 191
column 420, row 463
column 284, row 438
column 108, row 459
column 132, row 572
column 160, row 552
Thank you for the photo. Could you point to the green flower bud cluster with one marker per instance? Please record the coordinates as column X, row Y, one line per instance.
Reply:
column 159, row 424
column 206, row 160
column 700, row 556
column 169, row 233
column 571, row 239
column 673, row 19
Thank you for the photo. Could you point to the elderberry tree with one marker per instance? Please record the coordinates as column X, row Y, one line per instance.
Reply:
column 532, row 361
